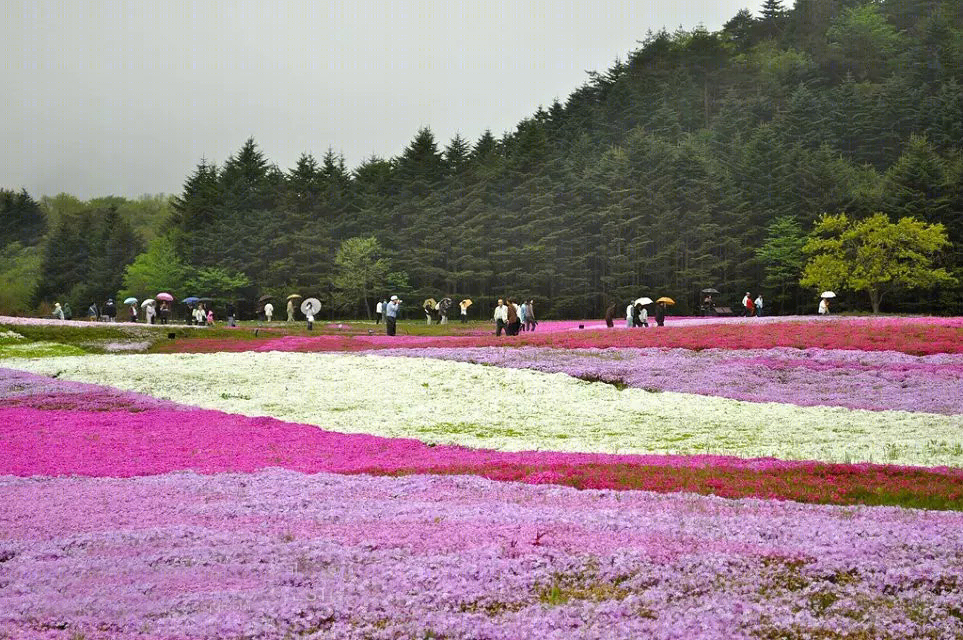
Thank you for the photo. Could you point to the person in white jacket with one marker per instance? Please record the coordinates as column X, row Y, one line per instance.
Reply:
column 268, row 311
column 628, row 316
column 500, row 317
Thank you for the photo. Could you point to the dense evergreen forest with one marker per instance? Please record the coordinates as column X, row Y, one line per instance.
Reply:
column 702, row 160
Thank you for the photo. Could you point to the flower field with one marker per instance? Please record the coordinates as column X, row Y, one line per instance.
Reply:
column 572, row 483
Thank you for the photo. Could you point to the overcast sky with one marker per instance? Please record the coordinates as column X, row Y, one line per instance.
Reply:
column 124, row 97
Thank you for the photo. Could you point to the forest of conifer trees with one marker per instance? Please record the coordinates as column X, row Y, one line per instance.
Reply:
column 703, row 159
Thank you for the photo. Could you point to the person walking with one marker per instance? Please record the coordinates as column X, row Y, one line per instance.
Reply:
column 58, row 311
column 610, row 316
column 644, row 316
column 110, row 310
column 68, row 312
column 629, row 316
column 165, row 312
column 391, row 315
column 660, row 314
column 150, row 313
column 746, row 301
column 290, row 309
column 464, row 311
column 500, row 317
column 522, row 315
column 230, row 315
column 379, row 309
column 758, row 304
column 513, row 323
column 824, row 307
column 530, row 320
column 133, row 312
column 268, row 311
column 210, row 317
column 93, row 313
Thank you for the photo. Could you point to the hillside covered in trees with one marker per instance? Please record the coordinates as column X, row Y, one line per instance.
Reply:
column 703, row 159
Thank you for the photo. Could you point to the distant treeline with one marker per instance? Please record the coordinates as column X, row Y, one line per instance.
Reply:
column 701, row 160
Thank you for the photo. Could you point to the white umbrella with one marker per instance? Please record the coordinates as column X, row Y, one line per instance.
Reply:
column 311, row 307
column 149, row 302
column 643, row 301
column 827, row 294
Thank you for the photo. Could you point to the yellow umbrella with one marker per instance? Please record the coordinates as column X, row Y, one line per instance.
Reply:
column 466, row 303
column 665, row 300
column 294, row 295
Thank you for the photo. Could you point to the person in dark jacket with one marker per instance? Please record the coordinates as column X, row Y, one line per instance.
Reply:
column 110, row 310
column 660, row 314
column 610, row 316
column 514, row 324
column 230, row 314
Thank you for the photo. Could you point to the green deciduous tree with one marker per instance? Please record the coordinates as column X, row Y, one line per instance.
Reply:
column 158, row 269
column 217, row 283
column 874, row 255
column 361, row 269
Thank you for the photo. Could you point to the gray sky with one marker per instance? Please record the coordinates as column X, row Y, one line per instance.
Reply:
column 125, row 97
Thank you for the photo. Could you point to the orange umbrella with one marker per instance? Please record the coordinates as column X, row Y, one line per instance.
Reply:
column 665, row 300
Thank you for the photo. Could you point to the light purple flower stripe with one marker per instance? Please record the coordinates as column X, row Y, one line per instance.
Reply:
column 279, row 554
column 20, row 388
column 880, row 380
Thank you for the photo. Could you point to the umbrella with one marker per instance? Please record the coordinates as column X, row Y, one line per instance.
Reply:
column 643, row 301
column 131, row 300
column 147, row 303
column 265, row 298
column 430, row 303
column 311, row 307
column 205, row 299
column 294, row 295
column 827, row 294
column 165, row 297
column 466, row 302
column 710, row 290
column 190, row 300
column 665, row 300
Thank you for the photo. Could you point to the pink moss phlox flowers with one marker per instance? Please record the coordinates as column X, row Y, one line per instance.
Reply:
column 280, row 555
column 919, row 336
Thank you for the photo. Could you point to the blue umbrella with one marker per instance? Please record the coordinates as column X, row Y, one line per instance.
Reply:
column 191, row 301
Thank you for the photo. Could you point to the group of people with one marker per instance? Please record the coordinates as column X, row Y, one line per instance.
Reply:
column 752, row 307
column 62, row 312
column 512, row 318
column 636, row 315
column 200, row 317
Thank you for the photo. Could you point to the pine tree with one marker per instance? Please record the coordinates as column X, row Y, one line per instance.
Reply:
column 21, row 219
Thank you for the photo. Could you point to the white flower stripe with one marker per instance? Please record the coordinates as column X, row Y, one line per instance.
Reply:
column 513, row 410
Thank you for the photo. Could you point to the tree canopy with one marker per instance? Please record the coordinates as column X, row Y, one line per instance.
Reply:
column 874, row 255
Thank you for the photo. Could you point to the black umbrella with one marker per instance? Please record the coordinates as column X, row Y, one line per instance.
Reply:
column 265, row 298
